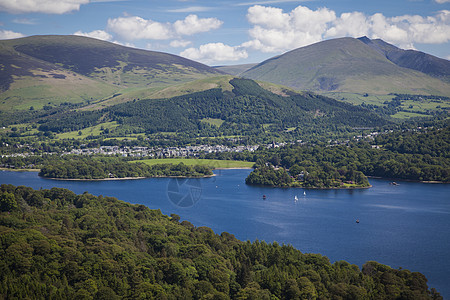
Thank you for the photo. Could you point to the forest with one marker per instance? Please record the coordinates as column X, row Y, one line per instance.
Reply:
column 325, row 167
column 59, row 245
column 410, row 155
column 111, row 167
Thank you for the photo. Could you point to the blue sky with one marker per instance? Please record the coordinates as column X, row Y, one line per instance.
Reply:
column 233, row 31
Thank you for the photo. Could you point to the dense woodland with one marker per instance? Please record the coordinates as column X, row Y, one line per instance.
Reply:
column 326, row 165
column 320, row 175
column 110, row 167
column 412, row 155
column 59, row 245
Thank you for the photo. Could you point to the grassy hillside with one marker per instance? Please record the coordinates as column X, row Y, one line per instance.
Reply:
column 28, row 82
column 59, row 245
column 41, row 69
column 221, row 82
column 344, row 65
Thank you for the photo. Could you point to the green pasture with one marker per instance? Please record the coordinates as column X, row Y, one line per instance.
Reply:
column 213, row 122
column 93, row 130
column 215, row 163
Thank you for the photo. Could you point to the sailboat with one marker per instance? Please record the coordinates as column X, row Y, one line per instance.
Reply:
column 304, row 193
column 295, row 198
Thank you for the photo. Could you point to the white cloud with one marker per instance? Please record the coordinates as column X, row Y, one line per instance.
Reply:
column 275, row 30
column 179, row 43
column 270, row 17
column 136, row 28
column 193, row 24
column 131, row 28
column 41, row 6
column 442, row 1
column 215, row 52
column 96, row 34
column 7, row 34
column 349, row 24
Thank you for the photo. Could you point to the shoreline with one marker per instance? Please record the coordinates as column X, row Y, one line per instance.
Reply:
column 339, row 188
column 313, row 188
column 20, row 170
column 127, row 178
column 408, row 180
column 236, row 168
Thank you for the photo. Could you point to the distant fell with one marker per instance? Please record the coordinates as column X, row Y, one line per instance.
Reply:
column 31, row 64
column 345, row 65
column 411, row 59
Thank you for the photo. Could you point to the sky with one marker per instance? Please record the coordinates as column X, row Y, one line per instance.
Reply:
column 229, row 32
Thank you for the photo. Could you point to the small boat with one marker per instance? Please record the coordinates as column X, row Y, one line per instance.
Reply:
column 394, row 183
column 357, row 221
column 304, row 193
column 264, row 197
column 295, row 198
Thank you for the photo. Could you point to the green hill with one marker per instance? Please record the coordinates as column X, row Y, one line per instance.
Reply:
column 245, row 109
column 345, row 65
column 41, row 69
column 59, row 245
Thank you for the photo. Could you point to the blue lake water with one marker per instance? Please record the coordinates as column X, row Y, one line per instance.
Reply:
column 404, row 226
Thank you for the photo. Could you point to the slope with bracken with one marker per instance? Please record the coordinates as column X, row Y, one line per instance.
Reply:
column 49, row 70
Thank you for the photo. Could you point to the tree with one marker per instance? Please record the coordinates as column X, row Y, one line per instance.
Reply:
column 7, row 202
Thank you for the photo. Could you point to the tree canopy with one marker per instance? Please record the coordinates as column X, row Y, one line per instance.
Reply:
column 58, row 245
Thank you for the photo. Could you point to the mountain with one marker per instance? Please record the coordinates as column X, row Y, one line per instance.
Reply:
column 346, row 65
column 235, row 70
column 79, row 69
column 411, row 59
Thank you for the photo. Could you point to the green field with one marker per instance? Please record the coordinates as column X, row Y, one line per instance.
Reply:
column 358, row 99
column 213, row 122
column 215, row 163
column 407, row 115
column 93, row 130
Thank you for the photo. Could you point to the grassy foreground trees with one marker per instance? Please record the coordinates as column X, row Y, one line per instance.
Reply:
column 55, row 244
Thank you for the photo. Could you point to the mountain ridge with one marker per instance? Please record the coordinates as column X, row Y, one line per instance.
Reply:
column 344, row 65
column 411, row 59
column 28, row 64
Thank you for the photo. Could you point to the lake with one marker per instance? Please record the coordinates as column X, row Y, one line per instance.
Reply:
column 404, row 226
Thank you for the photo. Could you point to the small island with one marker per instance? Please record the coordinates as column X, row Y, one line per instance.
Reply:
column 319, row 178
